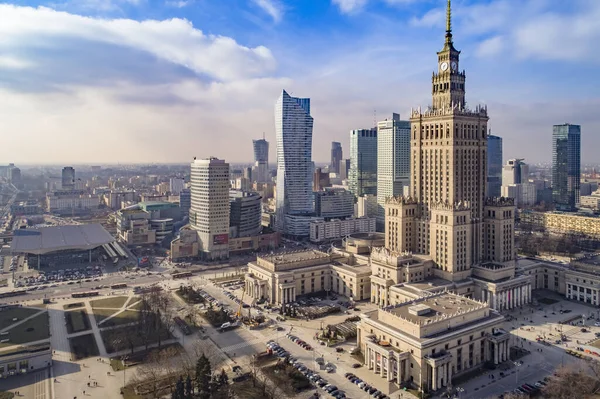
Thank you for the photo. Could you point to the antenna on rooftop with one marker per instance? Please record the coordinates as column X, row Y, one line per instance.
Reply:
column 375, row 117
column 263, row 135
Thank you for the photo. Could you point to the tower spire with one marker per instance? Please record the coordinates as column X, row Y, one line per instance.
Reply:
column 449, row 17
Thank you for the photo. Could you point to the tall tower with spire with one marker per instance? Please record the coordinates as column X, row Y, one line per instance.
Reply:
column 444, row 216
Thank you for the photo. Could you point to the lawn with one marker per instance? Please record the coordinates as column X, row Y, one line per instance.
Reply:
column 595, row 344
column 125, row 317
column 116, row 302
column 77, row 321
column 6, row 395
column 118, row 339
column 34, row 329
column 135, row 304
column 20, row 313
column 547, row 301
column 3, row 283
column 83, row 346
column 74, row 305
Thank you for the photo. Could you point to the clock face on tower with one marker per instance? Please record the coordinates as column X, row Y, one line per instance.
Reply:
column 444, row 66
column 454, row 65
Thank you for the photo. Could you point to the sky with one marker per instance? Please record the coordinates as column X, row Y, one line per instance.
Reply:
column 151, row 81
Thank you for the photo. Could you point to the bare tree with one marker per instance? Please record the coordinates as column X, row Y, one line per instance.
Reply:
column 574, row 382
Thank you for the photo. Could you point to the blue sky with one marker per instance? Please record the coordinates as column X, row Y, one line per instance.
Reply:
column 85, row 81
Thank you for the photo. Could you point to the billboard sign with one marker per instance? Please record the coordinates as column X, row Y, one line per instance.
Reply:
column 220, row 239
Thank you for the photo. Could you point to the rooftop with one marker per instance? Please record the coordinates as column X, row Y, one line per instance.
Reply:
column 433, row 308
column 60, row 238
column 294, row 256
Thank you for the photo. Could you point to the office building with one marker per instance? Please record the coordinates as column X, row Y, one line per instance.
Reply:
column 261, row 160
column 366, row 206
column 515, row 172
column 393, row 161
column 334, row 203
column 591, row 201
column 71, row 202
column 245, row 213
column 566, row 166
column 176, row 185
column 494, row 158
column 185, row 201
column 14, row 175
column 344, row 166
column 293, row 128
column 68, row 178
column 362, row 176
column 336, row 157
column 209, row 212
column 327, row 230
column 320, row 180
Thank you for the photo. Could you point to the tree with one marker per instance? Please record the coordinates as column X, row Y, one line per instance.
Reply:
column 189, row 389
column 573, row 382
column 203, row 377
column 223, row 379
column 179, row 389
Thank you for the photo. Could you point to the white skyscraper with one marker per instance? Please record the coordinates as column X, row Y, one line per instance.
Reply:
column 293, row 128
column 393, row 161
column 209, row 211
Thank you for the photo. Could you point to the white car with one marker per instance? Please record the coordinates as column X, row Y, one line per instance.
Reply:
column 597, row 324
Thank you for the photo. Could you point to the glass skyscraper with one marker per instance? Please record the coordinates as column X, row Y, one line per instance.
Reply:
column 362, row 176
column 566, row 166
column 261, row 160
column 494, row 158
column 336, row 157
column 293, row 128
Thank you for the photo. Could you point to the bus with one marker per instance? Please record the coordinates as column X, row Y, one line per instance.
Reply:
column 181, row 275
column 84, row 294
column 117, row 286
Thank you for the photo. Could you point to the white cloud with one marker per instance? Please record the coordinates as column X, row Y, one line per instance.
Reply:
column 490, row 47
column 179, row 3
column 10, row 62
column 175, row 40
column 350, row 6
column 432, row 18
column 271, row 7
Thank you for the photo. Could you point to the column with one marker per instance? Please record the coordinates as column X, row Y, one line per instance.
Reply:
column 495, row 353
column 381, row 365
column 529, row 293
column 433, row 378
column 389, row 370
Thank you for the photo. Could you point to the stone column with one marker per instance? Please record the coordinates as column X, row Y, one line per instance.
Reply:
column 529, row 292
column 389, row 370
column 433, row 378
column 495, row 353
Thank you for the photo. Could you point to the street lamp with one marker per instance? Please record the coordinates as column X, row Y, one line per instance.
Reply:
column 124, row 368
column 459, row 390
column 517, row 364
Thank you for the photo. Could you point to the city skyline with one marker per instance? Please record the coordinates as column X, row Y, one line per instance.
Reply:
column 179, row 73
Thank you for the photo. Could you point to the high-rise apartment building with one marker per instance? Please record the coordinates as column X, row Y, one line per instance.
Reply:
column 293, row 128
column 494, row 176
column 336, row 157
column 209, row 211
column 245, row 214
column 261, row 160
column 68, row 178
column 566, row 166
column 362, row 177
column 334, row 203
column 393, row 161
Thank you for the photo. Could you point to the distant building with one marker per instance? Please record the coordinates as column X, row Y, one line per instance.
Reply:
column 334, row 203
column 185, row 200
column 134, row 228
column 494, row 177
column 320, row 180
column 344, row 167
column 367, row 206
column 176, row 185
column 515, row 172
column 393, row 161
column 71, row 202
column 563, row 223
column 336, row 157
column 515, row 183
column 245, row 214
column 68, row 178
column 22, row 208
column 261, row 160
column 293, row 128
column 322, row 230
column 591, row 201
column 209, row 212
column 115, row 199
column 566, row 166
column 14, row 175
column 362, row 176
